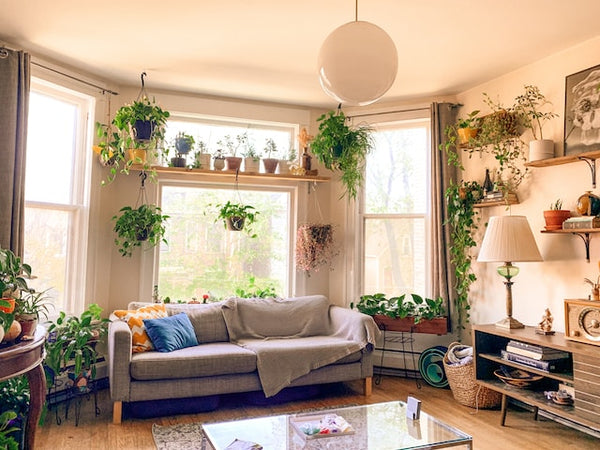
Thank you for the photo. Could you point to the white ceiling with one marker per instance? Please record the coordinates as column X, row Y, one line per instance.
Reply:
column 267, row 49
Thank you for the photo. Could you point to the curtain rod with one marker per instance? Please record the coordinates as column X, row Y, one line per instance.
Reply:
column 382, row 113
column 102, row 89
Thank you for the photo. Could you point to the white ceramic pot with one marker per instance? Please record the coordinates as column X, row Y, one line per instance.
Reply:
column 541, row 149
column 251, row 165
column 284, row 167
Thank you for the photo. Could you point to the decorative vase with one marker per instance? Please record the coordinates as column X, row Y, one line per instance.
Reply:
column 588, row 204
column 555, row 217
column 541, row 149
column 233, row 163
column 270, row 164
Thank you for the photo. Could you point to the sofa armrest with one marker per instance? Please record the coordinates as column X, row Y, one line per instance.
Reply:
column 353, row 325
column 119, row 357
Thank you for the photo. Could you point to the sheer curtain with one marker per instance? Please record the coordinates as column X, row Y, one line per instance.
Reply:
column 14, row 101
column 443, row 280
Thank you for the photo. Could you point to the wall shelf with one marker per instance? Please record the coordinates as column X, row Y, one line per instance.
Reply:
column 588, row 157
column 232, row 174
column 583, row 233
column 511, row 199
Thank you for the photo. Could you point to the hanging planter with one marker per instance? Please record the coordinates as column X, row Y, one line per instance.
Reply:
column 237, row 217
column 314, row 246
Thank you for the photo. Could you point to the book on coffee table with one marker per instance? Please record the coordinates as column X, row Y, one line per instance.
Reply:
column 321, row 426
column 238, row 444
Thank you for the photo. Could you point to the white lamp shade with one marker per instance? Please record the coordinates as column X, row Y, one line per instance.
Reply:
column 357, row 63
column 508, row 239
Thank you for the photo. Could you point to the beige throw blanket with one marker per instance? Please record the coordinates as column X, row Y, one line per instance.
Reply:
column 291, row 337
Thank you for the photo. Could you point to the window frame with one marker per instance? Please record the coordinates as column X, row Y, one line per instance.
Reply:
column 387, row 120
column 79, row 203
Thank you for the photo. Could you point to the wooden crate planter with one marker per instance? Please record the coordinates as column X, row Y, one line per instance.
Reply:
column 438, row 326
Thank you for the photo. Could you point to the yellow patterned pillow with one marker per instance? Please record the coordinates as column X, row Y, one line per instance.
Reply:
column 140, row 342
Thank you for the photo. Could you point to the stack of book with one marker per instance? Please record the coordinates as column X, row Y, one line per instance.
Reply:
column 536, row 356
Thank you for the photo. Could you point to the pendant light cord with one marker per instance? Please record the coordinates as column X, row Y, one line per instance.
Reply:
column 356, row 11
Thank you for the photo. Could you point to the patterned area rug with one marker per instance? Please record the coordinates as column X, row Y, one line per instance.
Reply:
column 189, row 436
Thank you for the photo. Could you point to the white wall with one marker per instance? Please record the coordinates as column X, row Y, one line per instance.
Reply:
column 560, row 275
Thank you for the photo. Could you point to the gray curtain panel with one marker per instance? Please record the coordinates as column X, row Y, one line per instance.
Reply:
column 14, row 102
column 443, row 280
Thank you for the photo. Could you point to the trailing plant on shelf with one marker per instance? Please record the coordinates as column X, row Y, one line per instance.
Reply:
column 341, row 147
column 462, row 219
column 134, row 226
column 237, row 216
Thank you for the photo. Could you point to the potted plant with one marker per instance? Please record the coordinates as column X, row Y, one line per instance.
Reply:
column 555, row 216
column 7, row 429
column 237, row 217
column 201, row 157
column 467, row 128
column 136, row 226
column 14, row 397
column 30, row 307
column 218, row 160
column 233, row 161
column 13, row 273
column 286, row 162
column 183, row 145
column 531, row 104
column 314, row 246
column 270, row 163
column 71, row 344
column 251, row 158
column 408, row 312
column 341, row 147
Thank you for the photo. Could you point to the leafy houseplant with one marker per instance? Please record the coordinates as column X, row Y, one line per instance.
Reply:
column 72, row 340
column 532, row 104
column 408, row 312
column 254, row 291
column 201, row 156
column 341, row 147
column 468, row 127
column 30, row 308
column 555, row 216
column 14, row 398
column 8, row 442
column 314, row 246
column 237, row 217
column 13, row 273
column 135, row 226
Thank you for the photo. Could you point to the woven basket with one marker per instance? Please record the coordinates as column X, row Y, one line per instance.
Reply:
column 465, row 388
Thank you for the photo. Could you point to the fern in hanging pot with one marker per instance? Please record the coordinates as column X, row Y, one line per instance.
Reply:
column 134, row 226
column 340, row 147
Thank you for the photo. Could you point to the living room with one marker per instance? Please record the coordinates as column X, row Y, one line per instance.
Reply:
column 113, row 281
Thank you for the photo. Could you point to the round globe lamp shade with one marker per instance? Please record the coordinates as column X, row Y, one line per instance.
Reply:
column 357, row 63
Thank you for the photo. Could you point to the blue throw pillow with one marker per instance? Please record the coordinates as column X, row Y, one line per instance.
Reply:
column 171, row 333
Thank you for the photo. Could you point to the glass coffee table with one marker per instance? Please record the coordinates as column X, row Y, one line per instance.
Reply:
column 380, row 426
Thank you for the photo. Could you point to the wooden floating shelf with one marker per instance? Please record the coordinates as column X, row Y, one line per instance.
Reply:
column 583, row 233
column 564, row 159
column 512, row 199
column 232, row 174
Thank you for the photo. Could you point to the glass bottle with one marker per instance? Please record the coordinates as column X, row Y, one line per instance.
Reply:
column 488, row 186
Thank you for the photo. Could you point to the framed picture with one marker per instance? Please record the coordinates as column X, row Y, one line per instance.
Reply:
column 582, row 111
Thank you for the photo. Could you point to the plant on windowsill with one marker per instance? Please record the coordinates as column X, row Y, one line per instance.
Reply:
column 135, row 226
column 340, row 147
column 201, row 157
column 270, row 163
column 71, row 346
column 237, row 217
column 408, row 313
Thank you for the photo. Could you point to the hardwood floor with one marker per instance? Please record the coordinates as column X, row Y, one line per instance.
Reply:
column 521, row 432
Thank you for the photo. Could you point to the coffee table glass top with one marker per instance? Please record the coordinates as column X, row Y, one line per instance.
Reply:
column 380, row 426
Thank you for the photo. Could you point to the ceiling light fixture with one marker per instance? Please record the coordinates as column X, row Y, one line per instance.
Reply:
column 357, row 63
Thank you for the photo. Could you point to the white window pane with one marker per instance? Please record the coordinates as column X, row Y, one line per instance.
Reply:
column 202, row 257
column 51, row 137
column 396, row 171
column 46, row 234
column 394, row 259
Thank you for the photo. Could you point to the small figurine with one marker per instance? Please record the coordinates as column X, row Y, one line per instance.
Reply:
column 545, row 326
column 304, row 138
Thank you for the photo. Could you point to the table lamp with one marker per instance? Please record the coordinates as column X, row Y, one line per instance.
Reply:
column 508, row 239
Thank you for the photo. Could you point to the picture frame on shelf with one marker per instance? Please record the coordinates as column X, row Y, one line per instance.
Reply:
column 582, row 109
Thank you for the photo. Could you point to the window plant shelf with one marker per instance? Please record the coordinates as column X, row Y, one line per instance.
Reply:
column 232, row 174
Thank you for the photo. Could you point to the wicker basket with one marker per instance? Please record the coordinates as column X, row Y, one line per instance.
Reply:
column 465, row 388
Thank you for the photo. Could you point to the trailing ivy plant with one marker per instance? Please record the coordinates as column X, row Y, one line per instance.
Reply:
column 406, row 305
column 462, row 219
column 340, row 147
column 139, row 225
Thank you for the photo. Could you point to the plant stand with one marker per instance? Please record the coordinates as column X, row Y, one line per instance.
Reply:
column 72, row 396
column 404, row 339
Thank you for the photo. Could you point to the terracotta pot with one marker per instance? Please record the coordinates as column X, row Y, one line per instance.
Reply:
column 28, row 324
column 233, row 163
column 178, row 161
column 555, row 217
column 270, row 164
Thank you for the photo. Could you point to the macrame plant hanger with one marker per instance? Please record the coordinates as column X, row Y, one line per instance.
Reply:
column 142, row 199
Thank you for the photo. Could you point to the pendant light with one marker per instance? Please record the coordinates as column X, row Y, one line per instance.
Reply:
column 357, row 63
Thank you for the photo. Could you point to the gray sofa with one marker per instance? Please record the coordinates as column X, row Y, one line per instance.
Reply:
column 246, row 345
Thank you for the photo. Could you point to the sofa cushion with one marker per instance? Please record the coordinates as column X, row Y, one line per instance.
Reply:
column 171, row 333
column 204, row 360
column 140, row 341
column 262, row 318
column 206, row 318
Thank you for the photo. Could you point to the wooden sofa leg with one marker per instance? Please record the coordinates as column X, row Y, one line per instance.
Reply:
column 117, row 412
column 368, row 386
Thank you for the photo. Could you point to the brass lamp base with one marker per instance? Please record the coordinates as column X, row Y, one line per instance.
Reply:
column 509, row 323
